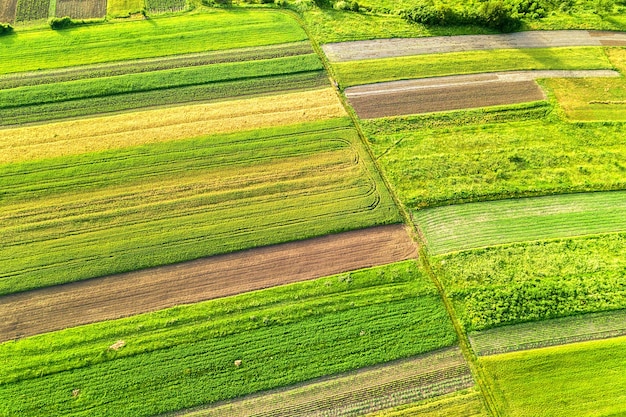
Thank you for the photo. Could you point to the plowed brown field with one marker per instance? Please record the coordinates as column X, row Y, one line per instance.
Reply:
column 116, row 296
column 81, row 9
column 7, row 10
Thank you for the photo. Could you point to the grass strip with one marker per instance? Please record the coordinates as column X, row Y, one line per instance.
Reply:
column 456, row 63
column 463, row 403
column 368, row 317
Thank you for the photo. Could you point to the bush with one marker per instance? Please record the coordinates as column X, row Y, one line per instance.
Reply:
column 5, row 29
column 497, row 15
column 346, row 5
column 57, row 23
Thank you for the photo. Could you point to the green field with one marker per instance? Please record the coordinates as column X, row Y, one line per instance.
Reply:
column 426, row 167
column 455, row 63
column 463, row 403
column 88, row 215
column 367, row 317
column 212, row 31
column 474, row 225
column 534, row 281
column 130, row 91
column 124, row 8
column 552, row 332
column 583, row 379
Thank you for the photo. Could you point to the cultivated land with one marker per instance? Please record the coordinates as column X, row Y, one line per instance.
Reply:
column 474, row 225
column 585, row 379
column 463, row 403
column 357, row 393
column 81, row 9
column 7, row 10
column 89, row 215
column 368, row 317
column 98, row 299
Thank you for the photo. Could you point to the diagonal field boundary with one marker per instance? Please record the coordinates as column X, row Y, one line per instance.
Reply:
column 116, row 296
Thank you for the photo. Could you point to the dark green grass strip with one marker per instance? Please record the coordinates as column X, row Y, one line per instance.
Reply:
column 185, row 356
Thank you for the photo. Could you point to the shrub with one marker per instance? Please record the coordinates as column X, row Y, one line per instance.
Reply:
column 5, row 29
column 495, row 14
column 57, row 23
column 346, row 5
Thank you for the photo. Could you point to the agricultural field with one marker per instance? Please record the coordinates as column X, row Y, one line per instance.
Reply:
column 534, row 281
column 585, row 379
column 81, row 9
column 7, row 11
column 474, row 225
column 163, row 6
column 252, row 342
column 462, row 403
column 28, row 10
column 124, row 8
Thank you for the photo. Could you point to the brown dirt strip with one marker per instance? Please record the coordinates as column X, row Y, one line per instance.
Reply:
column 388, row 48
column 122, row 295
column 7, row 11
column 81, row 9
column 456, row 92
column 355, row 393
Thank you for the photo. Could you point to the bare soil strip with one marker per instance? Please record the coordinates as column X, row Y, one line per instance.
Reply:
column 549, row 333
column 358, row 392
column 81, row 9
column 7, row 11
column 122, row 295
column 454, row 92
column 388, row 48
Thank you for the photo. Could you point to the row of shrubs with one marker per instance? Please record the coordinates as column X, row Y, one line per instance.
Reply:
column 5, row 29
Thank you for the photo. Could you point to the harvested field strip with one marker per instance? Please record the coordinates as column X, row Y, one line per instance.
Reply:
column 356, row 393
column 368, row 317
column 7, row 10
column 135, row 66
column 535, row 281
column 81, row 9
column 463, row 403
column 123, row 295
column 582, row 379
column 496, row 161
column 112, row 211
column 549, row 332
column 457, row 63
column 160, row 125
column 389, row 48
column 218, row 30
column 109, row 94
column 28, row 10
column 469, row 226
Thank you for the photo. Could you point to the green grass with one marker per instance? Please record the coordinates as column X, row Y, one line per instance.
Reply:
column 585, row 379
column 122, row 92
column 535, row 281
column 163, row 6
column 422, row 66
column 83, row 216
column 474, row 225
column 549, row 332
column 464, row 403
column 184, row 356
column 210, row 31
column 454, row 163
column 124, row 8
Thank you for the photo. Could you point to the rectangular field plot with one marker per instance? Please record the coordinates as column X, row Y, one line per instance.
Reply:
column 535, row 281
column 226, row 348
column 583, row 379
column 7, row 10
column 162, row 6
column 457, row 162
column 81, row 9
column 124, row 8
column 28, row 10
column 463, row 403
column 84, row 216
column 549, row 332
column 474, row 225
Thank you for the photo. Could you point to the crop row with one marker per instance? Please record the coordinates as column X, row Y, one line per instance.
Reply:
column 466, row 403
column 474, row 225
column 134, row 66
column 367, row 317
column 95, row 214
column 31, row 10
column 422, row 66
column 81, row 9
column 219, row 30
column 162, row 6
column 534, row 281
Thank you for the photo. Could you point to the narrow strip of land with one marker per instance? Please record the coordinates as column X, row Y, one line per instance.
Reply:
column 396, row 47
column 122, row 295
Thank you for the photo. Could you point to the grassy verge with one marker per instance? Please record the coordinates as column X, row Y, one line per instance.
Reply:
column 474, row 225
column 211, row 31
column 367, row 317
column 535, row 281
column 584, row 379
column 422, row 66
column 89, row 215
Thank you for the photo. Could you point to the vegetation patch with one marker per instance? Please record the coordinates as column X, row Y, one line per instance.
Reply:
column 125, row 8
column 84, row 216
column 474, row 225
column 549, row 332
column 585, row 379
column 28, row 10
column 227, row 348
column 535, row 281
column 163, row 6
column 422, row 66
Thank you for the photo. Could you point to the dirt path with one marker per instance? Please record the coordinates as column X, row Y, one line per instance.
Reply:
column 132, row 293
column 454, row 92
column 388, row 48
